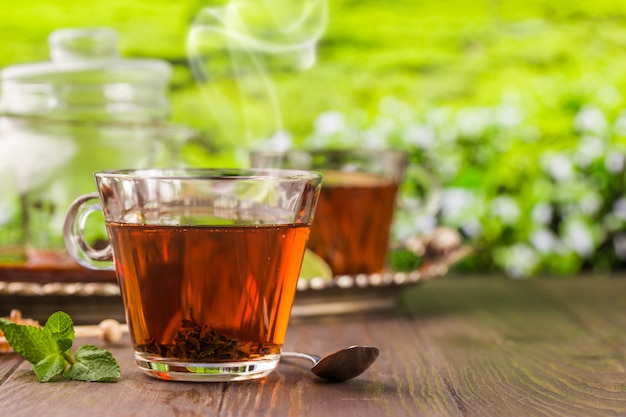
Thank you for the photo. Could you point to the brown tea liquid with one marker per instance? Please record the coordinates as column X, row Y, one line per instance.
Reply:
column 352, row 222
column 206, row 293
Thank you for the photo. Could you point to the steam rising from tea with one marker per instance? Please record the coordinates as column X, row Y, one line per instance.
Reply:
column 234, row 49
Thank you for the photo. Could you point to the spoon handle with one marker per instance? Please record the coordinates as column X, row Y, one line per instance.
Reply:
column 298, row 355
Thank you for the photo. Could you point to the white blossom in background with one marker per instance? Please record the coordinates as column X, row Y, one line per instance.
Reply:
column 544, row 240
column 558, row 166
column 281, row 141
column 591, row 119
column 578, row 236
column 398, row 109
column 610, row 95
column 505, row 208
column 614, row 161
column 462, row 209
column 589, row 149
column 473, row 122
column 457, row 203
column 422, row 136
column 619, row 244
column 542, row 213
column 518, row 260
column 448, row 135
column 619, row 208
column 425, row 223
column 330, row 123
column 377, row 135
column 611, row 223
column 619, row 126
column 442, row 120
column 372, row 139
column 407, row 223
column 439, row 116
column 508, row 116
column 448, row 165
column 471, row 227
column 590, row 203
column 333, row 129
column 385, row 125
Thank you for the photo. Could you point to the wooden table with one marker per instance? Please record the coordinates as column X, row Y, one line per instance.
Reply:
column 466, row 346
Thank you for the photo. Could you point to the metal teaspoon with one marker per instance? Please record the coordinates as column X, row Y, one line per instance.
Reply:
column 341, row 365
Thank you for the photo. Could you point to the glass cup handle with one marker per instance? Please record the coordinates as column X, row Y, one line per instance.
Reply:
column 432, row 190
column 74, row 236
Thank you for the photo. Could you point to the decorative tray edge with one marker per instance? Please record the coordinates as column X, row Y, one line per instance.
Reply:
column 429, row 270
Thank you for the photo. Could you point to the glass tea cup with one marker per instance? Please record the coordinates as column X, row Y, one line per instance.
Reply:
column 352, row 227
column 207, row 262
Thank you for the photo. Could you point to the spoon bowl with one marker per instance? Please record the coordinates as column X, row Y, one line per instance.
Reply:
column 341, row 365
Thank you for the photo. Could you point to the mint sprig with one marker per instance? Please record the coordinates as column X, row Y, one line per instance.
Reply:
column 48, row 349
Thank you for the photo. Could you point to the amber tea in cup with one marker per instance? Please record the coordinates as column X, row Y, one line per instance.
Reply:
column 207, row 262
column 355, row 211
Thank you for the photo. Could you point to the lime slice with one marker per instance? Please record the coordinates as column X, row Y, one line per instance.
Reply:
column 314, row 267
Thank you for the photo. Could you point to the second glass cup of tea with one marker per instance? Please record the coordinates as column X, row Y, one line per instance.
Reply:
column 355, row 212
column 207, row 262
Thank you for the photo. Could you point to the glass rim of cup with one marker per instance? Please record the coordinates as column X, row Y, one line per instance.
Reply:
column 254, row 173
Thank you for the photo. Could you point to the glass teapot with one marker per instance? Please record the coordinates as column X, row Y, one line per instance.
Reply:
column 85, row 110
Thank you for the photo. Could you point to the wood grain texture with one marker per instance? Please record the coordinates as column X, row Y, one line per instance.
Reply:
column 502, row 347
column 453, row 347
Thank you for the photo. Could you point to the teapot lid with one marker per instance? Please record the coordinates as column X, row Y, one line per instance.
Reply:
column 86, row 79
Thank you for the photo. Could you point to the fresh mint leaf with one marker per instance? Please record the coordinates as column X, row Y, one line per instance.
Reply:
column 60, row 327
column 93, row 364
column 50, row 367
column 29, row 341
column 48, row 349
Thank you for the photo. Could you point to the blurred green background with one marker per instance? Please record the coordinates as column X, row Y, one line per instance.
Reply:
column 516, row 106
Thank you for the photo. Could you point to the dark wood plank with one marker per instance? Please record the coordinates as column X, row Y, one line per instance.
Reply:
column 503, row 347
column 388, row 388
column 8, row 363
column 599, row 304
